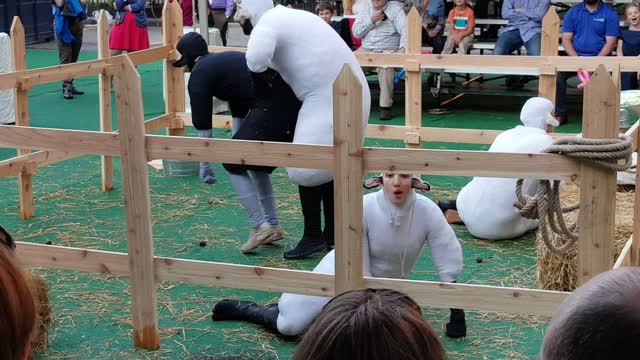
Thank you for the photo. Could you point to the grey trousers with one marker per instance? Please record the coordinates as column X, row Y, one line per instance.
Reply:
column 69, row 52
column 385, row 79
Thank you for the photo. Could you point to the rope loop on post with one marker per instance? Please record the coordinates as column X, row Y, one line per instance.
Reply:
column 545, row 205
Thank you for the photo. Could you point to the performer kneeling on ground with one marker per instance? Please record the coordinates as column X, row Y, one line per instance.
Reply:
column 397, row 223
column 262, row 108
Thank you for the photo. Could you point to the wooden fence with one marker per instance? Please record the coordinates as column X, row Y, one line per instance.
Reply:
column 347, row 157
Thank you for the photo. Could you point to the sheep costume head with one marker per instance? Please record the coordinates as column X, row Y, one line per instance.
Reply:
column 309, row 55
column 536, row 113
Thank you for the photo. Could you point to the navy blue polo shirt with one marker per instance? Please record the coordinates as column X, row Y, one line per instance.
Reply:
column 590, row 29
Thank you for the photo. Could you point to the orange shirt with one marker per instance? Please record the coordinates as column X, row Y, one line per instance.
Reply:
column 461, row 21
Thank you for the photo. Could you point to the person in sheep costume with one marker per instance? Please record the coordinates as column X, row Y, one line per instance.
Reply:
column 485, row 205
column 398, row 223
column 309, row 55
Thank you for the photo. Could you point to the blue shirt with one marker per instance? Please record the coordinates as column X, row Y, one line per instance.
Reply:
column 630, row 42
column 434, row 10
column 590, row 29
column 528, row 21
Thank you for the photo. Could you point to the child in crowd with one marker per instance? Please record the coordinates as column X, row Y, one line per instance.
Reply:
column 130, row 32
column 342, row 27
column 629, row 44
column 461, row 22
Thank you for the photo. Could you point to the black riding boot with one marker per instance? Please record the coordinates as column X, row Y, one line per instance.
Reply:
column 263, row 315
column 328, row 233
column 457, row 325
column 312, row 241
column 445, row 205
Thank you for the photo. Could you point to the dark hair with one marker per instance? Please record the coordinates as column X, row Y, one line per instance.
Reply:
column 17, row 310
column 372, row 324
column 600, row 320
column 325, row 6
column 6, row 239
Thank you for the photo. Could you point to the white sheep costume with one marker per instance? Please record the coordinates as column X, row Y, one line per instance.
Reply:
column 485, row 204
column 308, row 54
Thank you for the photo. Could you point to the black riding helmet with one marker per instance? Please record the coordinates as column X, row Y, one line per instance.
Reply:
column 191, row 46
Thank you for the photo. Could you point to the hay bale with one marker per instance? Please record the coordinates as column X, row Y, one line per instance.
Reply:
column 44, row 317
column 560, row 272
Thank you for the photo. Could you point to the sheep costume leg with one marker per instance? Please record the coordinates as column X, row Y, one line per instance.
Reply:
column 485, row 205
column 291, row 316
column 309, row 61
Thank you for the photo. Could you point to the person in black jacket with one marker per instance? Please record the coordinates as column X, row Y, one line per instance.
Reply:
column 263, row 107
column 342, row 27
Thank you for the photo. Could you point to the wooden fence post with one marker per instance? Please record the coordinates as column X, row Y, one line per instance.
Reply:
column 597, row 186
column 413, row 82
column 635, row 239
column 347, row 142
column 173, row 77
column 104, row 84
column 137, row 206
column 549, row 47
column 19, row 59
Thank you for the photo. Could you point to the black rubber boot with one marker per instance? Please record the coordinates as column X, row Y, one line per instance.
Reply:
column 445, row 205
column 263, row 315
column 312, row 241
column 457, row 325
column 328, row 234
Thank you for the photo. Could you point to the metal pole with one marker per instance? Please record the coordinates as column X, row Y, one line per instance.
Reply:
column 204, row 21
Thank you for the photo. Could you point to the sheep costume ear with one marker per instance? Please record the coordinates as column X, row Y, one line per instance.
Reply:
column 416, row 183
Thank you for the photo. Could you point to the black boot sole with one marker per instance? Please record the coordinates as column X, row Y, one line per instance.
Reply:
column 293, row 255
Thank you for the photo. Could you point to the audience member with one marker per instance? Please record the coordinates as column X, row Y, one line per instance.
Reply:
column 588, row 29
column 629, row 45
column 600, row 320
column 382, row 27
column 130, row 32
column 370, row 324
column 524, row 28
column 17, row 314
column 461, row 22
column 222, row 10
column 68, row 17
column 342, row 27
column 433, row 23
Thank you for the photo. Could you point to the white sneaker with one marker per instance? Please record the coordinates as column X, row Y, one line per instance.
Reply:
column 256, row 236
column 278, row 234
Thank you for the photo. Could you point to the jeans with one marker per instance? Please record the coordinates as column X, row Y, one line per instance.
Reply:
column 511, row 41
column 561, row 91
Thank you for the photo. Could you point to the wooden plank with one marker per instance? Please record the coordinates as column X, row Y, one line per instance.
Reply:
column 470, row 163
column 137, row 206
column 158, row 123
column 625, row 255
column 19, row 60
column 179, row 270
column 23, row 163
column 218, row 121
column 150, row 55
column 347, row 140
column 173, row 77
column 499, row 64
column 598, row 186
column 104, row 86
column 413, row 79
column 240, row 152
column 85, row 142
column 220, row 49
column 427, row 293
column 475, row 297
column 435, row 134
column 61, row 72
column 549, row 47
